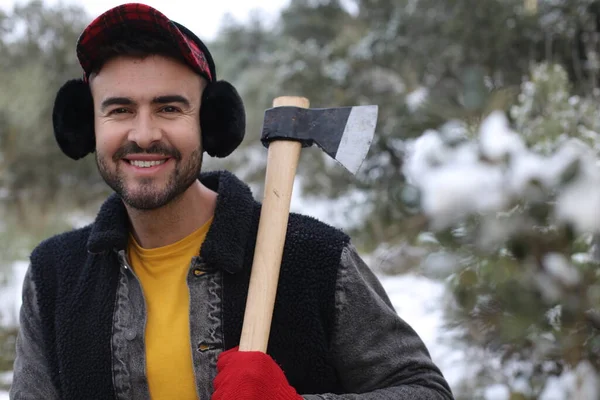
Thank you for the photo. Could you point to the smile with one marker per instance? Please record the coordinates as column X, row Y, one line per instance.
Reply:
column 146, row 164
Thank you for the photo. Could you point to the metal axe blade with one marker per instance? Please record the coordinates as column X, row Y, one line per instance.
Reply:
column 344, row 133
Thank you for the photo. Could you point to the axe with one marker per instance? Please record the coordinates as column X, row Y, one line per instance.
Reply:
column 345, row 134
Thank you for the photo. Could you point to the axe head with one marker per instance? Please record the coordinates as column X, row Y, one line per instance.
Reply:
column 345, row 133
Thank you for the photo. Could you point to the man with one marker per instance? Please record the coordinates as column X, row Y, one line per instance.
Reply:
column 148, row 301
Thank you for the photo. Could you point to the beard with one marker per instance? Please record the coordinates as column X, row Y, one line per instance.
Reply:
column 148, row 195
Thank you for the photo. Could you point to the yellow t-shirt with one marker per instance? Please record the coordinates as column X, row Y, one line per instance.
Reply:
column 162, row 273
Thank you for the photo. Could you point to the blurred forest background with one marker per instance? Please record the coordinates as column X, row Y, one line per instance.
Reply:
column 526, row 298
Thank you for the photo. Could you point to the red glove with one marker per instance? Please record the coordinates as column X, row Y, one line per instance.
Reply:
column 250, row 375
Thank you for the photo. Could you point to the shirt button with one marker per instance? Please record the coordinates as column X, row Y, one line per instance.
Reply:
column 198, row 272
column 130, row 334
column 203, row 347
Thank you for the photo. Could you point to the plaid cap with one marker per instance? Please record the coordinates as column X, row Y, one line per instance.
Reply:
column 128, row 19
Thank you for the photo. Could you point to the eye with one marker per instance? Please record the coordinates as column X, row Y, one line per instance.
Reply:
column 120, row 110
column 170, row 109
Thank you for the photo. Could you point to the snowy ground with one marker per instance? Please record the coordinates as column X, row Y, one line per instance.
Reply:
column 417, row 299
column 10, row 296
column 5, row 378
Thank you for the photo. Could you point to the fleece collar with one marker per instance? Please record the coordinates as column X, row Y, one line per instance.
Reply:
column 226, row 240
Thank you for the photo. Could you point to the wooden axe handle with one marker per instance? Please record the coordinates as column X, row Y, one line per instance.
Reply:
column 282, row 161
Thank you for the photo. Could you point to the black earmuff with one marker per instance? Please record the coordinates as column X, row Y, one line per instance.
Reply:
column 222, row 119
column 73, row 119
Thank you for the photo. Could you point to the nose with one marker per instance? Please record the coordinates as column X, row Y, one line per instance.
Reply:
column 144, row 131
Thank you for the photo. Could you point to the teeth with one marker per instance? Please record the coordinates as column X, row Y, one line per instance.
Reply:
column 146, row 164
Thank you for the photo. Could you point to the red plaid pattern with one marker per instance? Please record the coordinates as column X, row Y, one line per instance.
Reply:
column 128, row 18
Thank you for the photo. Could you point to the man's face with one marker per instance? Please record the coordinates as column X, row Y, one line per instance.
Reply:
column 147, row 123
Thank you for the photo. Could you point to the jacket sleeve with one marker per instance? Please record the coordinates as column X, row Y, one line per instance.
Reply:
column 31, row 378
column 378, row 356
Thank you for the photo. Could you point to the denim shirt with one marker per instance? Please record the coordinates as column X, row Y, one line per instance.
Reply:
column 388, row 362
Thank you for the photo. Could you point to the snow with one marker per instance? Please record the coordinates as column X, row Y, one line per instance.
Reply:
column 5, row 378
column 417, row 98
column 561, row 269
column 453, row 182
column 580, row 383
column 419, row 300
column 10, row 296
column 579, row 204
column 490, row 172
column 343, row 212
column 497, row 139
column 456, row 191
column 497, row 392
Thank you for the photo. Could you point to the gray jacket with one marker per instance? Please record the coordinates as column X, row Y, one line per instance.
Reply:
column 376, row 354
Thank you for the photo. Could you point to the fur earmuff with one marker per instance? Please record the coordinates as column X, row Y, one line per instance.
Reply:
column 73, row 119
column 222, row 119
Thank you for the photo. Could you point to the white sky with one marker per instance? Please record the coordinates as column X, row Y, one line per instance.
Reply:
column 202, row 17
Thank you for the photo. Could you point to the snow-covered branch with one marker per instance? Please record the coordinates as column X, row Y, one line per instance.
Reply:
column 457, row 177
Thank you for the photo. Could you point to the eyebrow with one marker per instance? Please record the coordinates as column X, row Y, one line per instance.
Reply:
column 126, row 101
column 172, row 98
